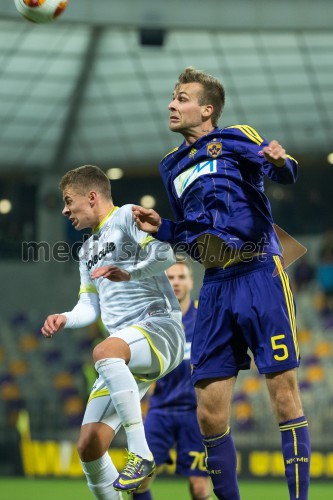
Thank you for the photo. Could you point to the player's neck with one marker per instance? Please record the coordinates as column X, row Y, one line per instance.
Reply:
column 185, row 304
column 191, row 136
column 103, row 212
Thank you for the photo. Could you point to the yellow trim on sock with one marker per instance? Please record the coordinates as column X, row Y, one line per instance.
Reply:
column 218, row 437
column 295, row 441
column 293, row 426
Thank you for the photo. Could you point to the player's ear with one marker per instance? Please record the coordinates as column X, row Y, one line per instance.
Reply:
column 207, row 111
column 92, row 198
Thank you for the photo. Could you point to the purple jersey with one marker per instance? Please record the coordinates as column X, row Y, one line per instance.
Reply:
column 216, row 186
column 175, row 391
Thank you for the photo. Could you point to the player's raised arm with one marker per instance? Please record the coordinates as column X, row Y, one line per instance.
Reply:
column 282, row 167
column 275, row 153
column 150, row 221
column 146, row 219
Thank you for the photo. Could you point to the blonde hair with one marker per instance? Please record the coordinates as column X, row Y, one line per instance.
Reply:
column 213, row 91
column 87, row 178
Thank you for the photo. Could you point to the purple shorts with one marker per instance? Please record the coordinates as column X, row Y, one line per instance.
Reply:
column 249, row 305
column 178, row 430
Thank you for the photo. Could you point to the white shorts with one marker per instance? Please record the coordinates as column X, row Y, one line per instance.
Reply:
column 165, row 336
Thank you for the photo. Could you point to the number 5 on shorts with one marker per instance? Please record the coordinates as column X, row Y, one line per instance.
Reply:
column 279, row 347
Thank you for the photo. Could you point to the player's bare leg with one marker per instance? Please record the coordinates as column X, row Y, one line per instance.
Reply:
column 200, row 487
column 214, row 424
column 93, row 445
column 111, row 361
column 287, row 408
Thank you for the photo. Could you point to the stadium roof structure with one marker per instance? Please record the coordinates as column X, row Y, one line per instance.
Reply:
column 94, row 86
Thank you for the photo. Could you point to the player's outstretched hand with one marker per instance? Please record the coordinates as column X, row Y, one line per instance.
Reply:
column 146, row 219
column 112, row 273
column 53, row 324
column 274, row 153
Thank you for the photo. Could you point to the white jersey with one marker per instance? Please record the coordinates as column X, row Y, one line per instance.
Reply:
column 117, row 241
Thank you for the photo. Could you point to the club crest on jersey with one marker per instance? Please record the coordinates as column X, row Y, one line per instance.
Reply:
column 214, row 149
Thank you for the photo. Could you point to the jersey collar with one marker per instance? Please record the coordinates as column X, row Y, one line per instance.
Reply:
column 103, row 221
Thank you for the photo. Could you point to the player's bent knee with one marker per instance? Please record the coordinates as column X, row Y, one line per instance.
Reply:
column 287, row 406
column 84, row 449
column 90, row 447
column 112, row 348
column 99, row 352
column 87, row 452
column 211, row 423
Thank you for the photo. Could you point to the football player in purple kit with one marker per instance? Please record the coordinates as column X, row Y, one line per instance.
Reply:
column 171, row 419
column 215, row 184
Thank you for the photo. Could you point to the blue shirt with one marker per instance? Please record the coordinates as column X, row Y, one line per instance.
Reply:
column 175, row 391
column 216, row 186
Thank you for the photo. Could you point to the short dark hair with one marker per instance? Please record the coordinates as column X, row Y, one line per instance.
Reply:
column 213, row 90
column 87, row 178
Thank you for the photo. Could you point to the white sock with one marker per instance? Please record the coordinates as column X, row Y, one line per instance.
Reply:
column 101, row 474
column 126, row 399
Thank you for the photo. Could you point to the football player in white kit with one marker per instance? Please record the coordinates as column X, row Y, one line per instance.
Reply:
column 123, row 280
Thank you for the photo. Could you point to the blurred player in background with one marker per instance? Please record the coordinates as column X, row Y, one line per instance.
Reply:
column 215, row 183
column 123, row 280
column 171, row 419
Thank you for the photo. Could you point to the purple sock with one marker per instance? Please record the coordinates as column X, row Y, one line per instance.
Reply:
column 296, row 449
column 221, row 463
column 146, row 495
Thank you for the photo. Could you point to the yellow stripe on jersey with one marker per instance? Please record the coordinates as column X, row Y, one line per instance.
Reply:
column 170, row 152
column 289, row 300
column 88, row 289
column 99, row 394
column 196, row 303
column 291, row 158
column 103, row 221
column 145, row 241
column 250, row 132
column 153, row 348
